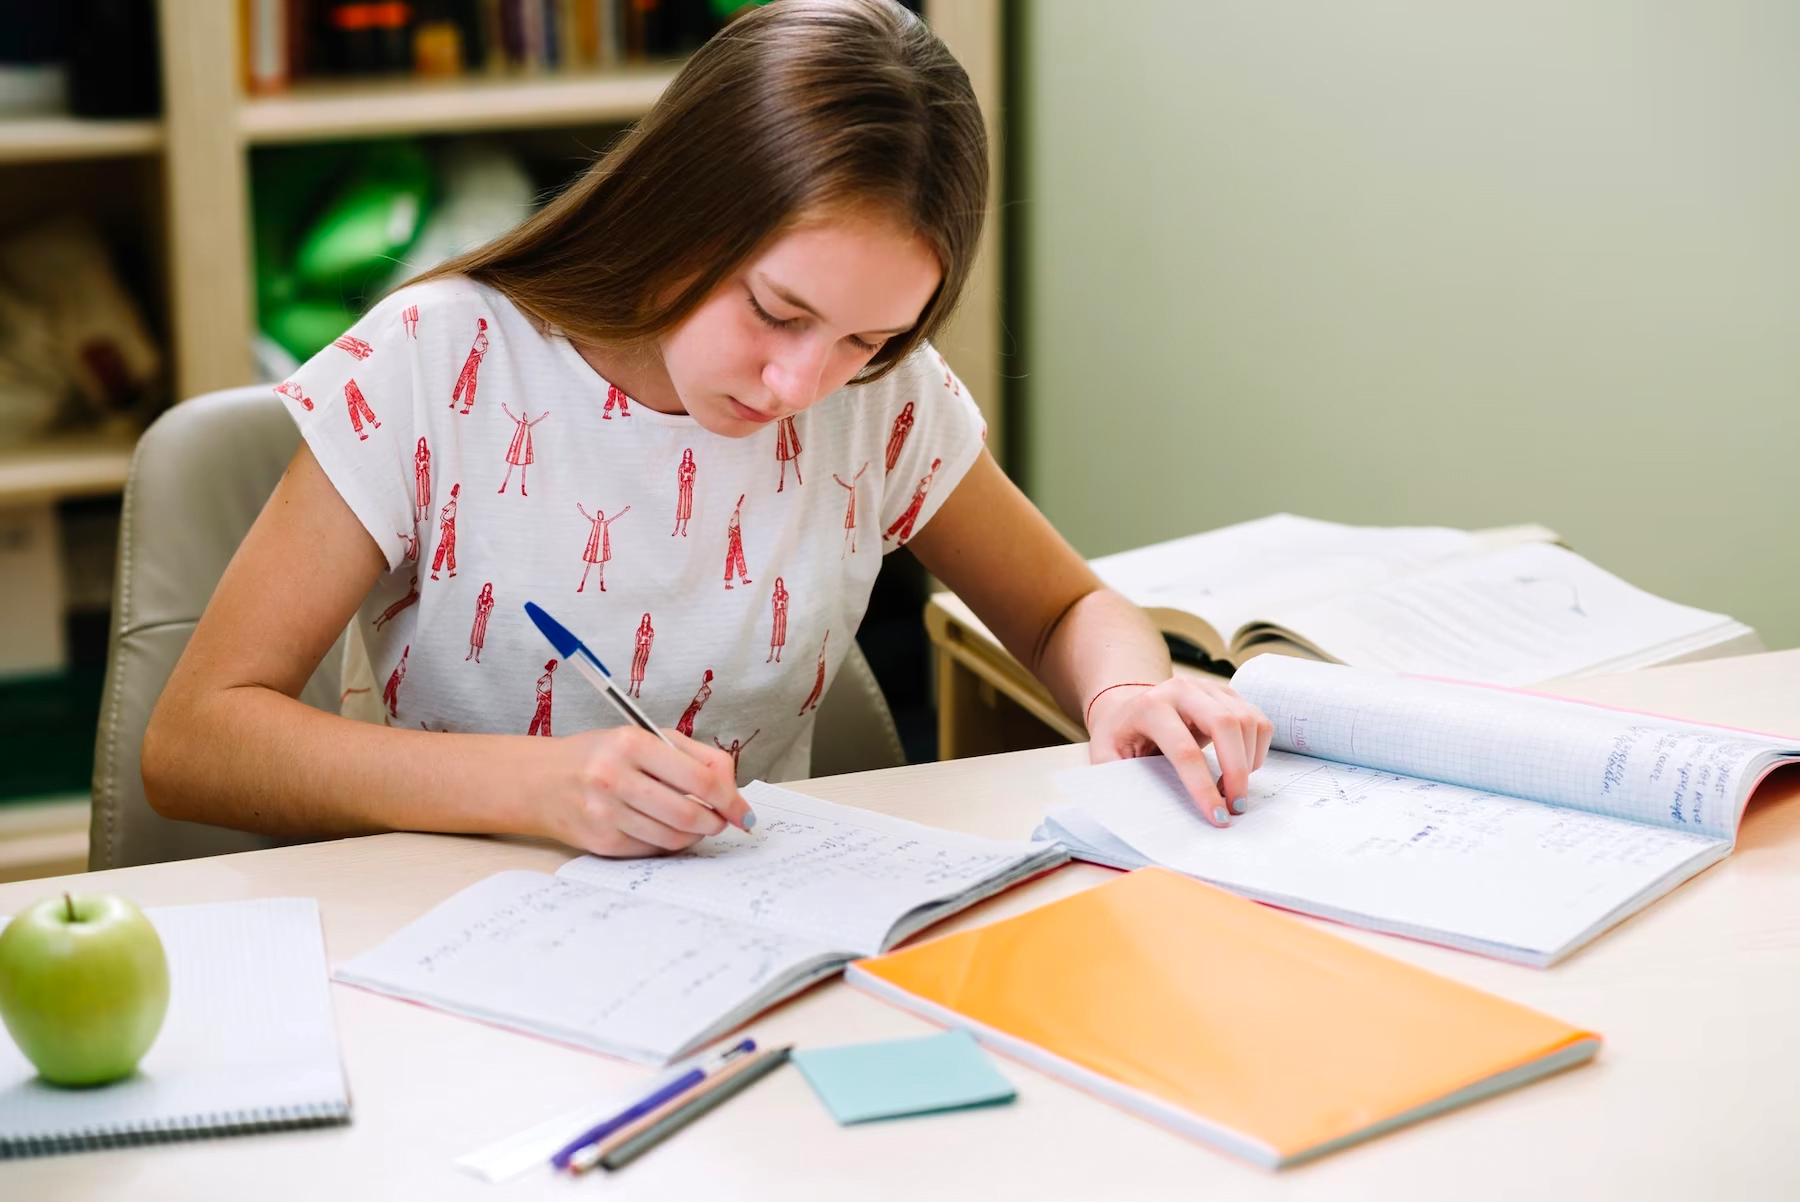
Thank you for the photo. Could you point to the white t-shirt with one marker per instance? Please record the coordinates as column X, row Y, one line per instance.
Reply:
column 723, row 578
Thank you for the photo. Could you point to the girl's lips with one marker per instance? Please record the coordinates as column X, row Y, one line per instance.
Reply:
column 748, row 414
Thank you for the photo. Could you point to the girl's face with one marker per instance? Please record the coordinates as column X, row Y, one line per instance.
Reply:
column 799, row 321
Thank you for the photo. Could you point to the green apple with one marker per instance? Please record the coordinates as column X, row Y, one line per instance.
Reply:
column 84, row 985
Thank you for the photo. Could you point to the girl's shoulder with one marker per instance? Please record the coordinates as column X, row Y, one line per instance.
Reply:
column 453, row 301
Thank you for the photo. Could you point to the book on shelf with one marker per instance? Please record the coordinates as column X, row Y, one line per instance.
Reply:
column 650, row 959
column 1506, row 823
column 287, row 41
column 1507, row 606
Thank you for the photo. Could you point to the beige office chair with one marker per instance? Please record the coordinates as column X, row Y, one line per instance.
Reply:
column 199, row 478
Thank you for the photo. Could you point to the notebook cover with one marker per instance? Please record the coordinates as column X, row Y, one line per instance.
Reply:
column 249, row 1042
column 1223, row 1019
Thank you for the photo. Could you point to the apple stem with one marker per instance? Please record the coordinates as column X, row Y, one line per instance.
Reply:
column 70, row 902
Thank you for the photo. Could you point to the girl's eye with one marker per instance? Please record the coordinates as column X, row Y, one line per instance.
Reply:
column 768, row 318
column 867, row 348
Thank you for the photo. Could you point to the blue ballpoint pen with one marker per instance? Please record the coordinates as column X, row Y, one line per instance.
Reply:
column 638, row 1110
column 574, row 651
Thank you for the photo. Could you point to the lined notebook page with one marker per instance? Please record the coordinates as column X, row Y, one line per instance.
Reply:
column 837, row 874
column 563, row 958
column 1515, row 617
column 249, row 1040
column 1395, row 853
column 1653, row 770
column 1243, row 573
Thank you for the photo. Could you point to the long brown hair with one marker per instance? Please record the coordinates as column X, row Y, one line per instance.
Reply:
column 794, row 108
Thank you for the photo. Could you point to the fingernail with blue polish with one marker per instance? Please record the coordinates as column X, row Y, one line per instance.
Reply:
column 1239, row 805
column 1220, row 816
column 749, row 819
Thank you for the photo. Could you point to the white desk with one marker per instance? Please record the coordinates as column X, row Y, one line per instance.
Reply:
column 1697, row 1093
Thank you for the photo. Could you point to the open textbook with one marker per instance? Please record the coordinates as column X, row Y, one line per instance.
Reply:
column 1502, row 606
column 1511, row 824
column 649, row 959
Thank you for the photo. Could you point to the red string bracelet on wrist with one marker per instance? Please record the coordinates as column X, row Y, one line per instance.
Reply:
column 1123, row 684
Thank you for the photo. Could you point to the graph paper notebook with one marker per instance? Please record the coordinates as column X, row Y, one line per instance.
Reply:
column 650, row 959
column 1223, row 1020
column 249, row 1042
column 1509, row 824
column 1499, row 606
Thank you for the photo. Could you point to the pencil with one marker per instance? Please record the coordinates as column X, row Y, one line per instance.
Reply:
column 627, row 1145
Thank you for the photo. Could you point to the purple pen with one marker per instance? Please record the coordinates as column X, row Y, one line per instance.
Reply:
column 638, row 1110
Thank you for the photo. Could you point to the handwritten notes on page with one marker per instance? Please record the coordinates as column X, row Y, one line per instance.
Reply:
column 624, row 975
column 649, row 959
column 1636, row 766
column 844, row 876
column 1507, row 877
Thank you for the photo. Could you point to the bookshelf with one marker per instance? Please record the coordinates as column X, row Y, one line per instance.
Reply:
column 333, row 111
column 200, row 149
column 41, row 139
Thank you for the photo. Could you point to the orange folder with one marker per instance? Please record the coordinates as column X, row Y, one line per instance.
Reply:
column 1227, row 1021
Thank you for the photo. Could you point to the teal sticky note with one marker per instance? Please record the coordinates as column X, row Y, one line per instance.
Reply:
column 864, row 1081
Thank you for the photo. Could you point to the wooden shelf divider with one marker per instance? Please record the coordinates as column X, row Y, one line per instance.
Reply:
column 40, row 139
column 375, row 108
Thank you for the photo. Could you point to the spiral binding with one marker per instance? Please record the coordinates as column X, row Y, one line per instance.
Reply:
column 169, row 1130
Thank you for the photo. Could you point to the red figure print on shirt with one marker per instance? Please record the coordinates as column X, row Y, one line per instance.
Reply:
column 778, row 605
column 465, row 380
column 812, row 698
column 787, row 446
column 615, row 395
column 409, row 539
column 902, row 528
column 409, row 317
column 949, row 376
column 518, row 452
column 540, row 720
column 359, row 409
column 484, row 605
column 295, row 393
column 393, row 611
column 684, row 496
column 421, row 479
column 850, row 508
column 390, row 695
column 599, row 543
column 736, row 749
column 686, row 724
column 734, row 546
column 446, row 548
column 358, row 349
column 640, row 657
column 903, row 425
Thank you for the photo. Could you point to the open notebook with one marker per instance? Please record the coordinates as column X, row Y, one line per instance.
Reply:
column 1501, row 606
column 1511, row 824
column 249, row 1042
column 650, row 959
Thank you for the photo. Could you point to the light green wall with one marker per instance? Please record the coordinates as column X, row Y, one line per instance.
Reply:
column 1465, row 263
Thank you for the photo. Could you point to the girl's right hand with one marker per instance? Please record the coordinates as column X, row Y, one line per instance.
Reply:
column 619, row 792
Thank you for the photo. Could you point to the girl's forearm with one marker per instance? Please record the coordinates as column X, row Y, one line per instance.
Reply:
column 1101, row 640
column 251, row 758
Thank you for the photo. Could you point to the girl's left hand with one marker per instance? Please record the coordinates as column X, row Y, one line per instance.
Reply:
column 1179, row 717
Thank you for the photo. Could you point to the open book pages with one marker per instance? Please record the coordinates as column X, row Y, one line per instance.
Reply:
column 1502, row 607
column 1510, row 824
column 650, row 959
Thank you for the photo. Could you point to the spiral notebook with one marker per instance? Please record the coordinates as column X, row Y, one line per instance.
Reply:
column 249, row 1043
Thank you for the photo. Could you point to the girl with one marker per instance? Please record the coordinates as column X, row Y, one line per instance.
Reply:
column 781, row 234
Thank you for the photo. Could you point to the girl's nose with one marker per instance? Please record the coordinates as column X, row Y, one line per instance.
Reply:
column 793, row 376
